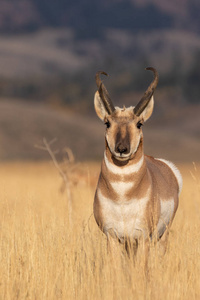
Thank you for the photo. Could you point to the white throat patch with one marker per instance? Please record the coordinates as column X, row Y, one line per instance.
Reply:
column 125, row 170
column 121, row 187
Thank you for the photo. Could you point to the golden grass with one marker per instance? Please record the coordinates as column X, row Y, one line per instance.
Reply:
column 43, row 257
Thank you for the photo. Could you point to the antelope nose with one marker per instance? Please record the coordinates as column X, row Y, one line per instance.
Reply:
column 121, row 149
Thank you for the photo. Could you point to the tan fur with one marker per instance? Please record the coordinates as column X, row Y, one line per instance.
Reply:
column 137, row 196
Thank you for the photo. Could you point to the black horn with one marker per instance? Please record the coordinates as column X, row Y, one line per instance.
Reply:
column 148, row 94
column 104, row 93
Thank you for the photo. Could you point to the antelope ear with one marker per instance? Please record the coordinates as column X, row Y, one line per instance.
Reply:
column 99, row 107
column 148, row 110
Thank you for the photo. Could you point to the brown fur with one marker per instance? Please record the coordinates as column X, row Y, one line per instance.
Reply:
column 130, row 179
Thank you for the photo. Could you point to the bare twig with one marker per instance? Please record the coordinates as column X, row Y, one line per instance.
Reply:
column 63, row 174
column 70, row 155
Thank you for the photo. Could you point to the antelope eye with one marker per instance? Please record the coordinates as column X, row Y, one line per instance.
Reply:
column 139, row 125
column 107, row 123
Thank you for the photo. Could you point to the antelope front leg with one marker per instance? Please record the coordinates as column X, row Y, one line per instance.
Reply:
column 131, row 248
column 113, row 247
column 162, row 243
column 143, row 254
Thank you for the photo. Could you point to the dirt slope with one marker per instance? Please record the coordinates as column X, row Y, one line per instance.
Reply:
column 22, row 125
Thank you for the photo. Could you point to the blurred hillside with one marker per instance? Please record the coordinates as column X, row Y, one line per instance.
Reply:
column 172, row 135
column 90, row 17
column 50, row 52
column 53, row 66
column 48, row 40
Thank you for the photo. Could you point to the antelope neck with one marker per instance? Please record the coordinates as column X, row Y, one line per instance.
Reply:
column 122, row 170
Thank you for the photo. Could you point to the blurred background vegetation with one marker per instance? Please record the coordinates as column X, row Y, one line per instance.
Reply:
column 51, row 50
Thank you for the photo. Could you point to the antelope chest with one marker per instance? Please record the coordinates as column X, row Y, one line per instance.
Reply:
column 124, row 218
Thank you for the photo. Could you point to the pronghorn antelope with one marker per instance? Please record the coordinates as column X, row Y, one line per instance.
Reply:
column 137, row 195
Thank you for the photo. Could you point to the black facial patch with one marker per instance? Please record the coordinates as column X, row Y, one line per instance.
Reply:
column 122, row 141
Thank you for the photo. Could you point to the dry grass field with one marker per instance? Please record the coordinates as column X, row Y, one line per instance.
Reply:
column 45, row 255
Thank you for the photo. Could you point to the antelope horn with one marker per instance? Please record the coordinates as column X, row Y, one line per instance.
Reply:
column 104, row 93
column 148, row 94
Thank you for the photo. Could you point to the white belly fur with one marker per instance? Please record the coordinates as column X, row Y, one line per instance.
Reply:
column 125, row 218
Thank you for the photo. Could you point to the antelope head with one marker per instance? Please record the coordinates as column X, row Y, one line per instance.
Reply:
column 123, row 125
